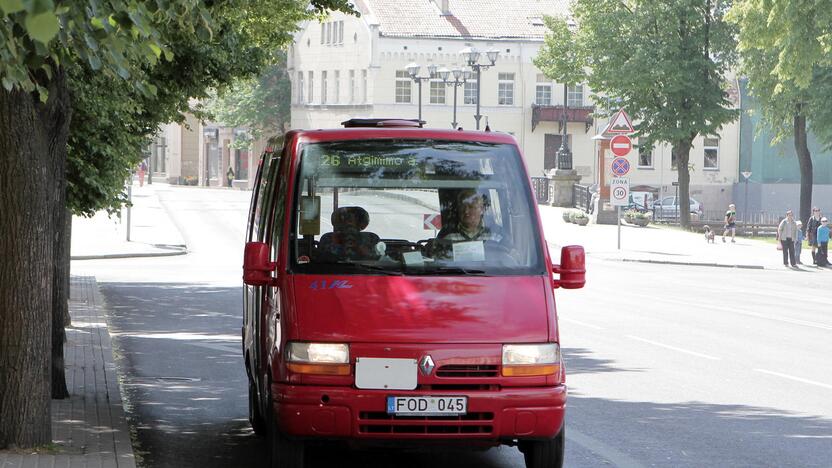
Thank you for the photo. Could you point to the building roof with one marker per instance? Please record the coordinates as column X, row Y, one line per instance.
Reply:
column 485, row 19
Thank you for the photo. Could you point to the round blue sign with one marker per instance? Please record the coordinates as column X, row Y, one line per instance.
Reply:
column 620, row 166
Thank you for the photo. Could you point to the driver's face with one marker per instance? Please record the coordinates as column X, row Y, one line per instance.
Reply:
column 472, row 208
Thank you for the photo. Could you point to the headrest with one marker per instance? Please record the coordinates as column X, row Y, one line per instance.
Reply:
column 350, row 216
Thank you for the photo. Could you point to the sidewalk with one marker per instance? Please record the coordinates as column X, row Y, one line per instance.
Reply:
column 662, row 244
column 152, row 233
column 89, row 428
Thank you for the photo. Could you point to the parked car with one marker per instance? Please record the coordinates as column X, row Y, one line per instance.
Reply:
column 668, row 208
column 364, row 324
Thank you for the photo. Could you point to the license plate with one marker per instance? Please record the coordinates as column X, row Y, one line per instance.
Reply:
column 427, row 405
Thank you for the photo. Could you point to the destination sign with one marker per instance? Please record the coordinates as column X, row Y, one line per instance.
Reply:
column 367, row 161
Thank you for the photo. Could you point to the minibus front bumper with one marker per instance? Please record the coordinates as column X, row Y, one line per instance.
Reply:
column 321, row 412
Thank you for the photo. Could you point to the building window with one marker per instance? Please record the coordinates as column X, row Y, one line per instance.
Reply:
column 711, row 145
column 329, row 33
column 311, row 85
column 505, row 89
column 543, row 91
column 470, row 94
column 352, row 86
column 403, row 90
column 575, row 96
column 645, row 157
column 437, row 92
column 341, row 32
column 337, row 94
column 323, row 32
column 300, row 88
column 673, row 164
column 364, row 86
column 323, row 87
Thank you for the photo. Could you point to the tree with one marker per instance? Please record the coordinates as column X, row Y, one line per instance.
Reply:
column 665, row 62
column 128, row 42
column 262, row 104
column 786, row 53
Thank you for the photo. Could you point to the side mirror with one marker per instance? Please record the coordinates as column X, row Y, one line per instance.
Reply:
column 572, row 269
column 257, row 269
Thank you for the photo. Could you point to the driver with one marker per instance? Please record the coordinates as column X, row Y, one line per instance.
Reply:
column 469, row 226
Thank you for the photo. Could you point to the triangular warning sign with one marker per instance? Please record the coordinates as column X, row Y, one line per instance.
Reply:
column 620, row 123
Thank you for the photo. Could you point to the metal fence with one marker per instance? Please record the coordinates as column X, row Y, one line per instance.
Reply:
column 542, row 189
column 582, row 196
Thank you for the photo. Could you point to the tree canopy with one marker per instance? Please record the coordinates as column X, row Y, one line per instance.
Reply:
column 665, row 62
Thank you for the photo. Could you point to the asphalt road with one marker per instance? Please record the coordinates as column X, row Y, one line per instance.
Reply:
column 668, row 365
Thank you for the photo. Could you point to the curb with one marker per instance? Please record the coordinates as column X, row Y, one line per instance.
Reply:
column 176, row 250
column 671, row 262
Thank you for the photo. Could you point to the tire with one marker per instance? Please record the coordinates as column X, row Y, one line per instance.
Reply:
column 255, row 416
column 285, row 453
column 545, row 453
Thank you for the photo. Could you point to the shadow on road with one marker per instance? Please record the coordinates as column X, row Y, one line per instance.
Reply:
column 179, row 354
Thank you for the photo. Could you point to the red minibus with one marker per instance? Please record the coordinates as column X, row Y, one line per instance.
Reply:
column 398, row 290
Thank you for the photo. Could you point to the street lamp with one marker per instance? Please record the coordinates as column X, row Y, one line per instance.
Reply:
column 472, row 58
column 413, row 71
column 564, row 153
column 460, row 77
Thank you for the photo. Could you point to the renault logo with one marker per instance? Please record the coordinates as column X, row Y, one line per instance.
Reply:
column 426, row 365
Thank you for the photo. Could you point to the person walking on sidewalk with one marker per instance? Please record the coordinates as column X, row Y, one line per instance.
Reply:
column 798, row 242
column 142, row 170
column 229, row 175
column 823, row 243
column 812, row 226
column 730, row 222
column 787, row 233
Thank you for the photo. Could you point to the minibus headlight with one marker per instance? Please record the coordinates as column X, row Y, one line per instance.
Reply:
column 527, row 360
column 318, row 353
column 318, row 358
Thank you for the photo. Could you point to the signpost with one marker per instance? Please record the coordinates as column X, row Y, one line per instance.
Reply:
column 620, row 145
column 619, row 196
column 746, row 175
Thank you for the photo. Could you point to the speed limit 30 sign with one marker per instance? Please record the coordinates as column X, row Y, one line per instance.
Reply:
column 620, row 191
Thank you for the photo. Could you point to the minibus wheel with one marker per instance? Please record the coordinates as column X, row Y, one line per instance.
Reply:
column 544, row 453
column 285, row 453
column 255, row 417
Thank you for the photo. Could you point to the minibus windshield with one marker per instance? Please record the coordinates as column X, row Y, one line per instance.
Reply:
column 413, row 207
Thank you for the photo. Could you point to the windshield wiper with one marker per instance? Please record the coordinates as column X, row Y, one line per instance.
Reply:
column 373, row 268
column 447, row 270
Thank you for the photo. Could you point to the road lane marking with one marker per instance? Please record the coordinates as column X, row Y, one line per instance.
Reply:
column 805, row 323
column 617, row 457
column 796, row 379
column 580, row 323
column 662, row 345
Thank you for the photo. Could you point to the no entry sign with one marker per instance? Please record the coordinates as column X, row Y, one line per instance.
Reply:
column 620, row 145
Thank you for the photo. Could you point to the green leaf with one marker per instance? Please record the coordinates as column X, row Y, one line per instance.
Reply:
column 42, row 27
column 156, row 49
column 8, row 84
column 95, row 62
column 11, row 6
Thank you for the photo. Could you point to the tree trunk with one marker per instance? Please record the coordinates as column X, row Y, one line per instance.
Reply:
column 31, row 135
column 681, row 150
column 60, row 294
column 804, row 158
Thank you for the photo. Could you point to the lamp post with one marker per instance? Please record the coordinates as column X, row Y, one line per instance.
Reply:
column 564, row 153
column 413, row 71
column 460, row 77
column 472, row 58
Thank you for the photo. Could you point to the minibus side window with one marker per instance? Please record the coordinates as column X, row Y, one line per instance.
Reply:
column 252, row 210
column 263, row 184
column 267, row 195
column 276, row 226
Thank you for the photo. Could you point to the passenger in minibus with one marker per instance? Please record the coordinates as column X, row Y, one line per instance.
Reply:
column 347, row 241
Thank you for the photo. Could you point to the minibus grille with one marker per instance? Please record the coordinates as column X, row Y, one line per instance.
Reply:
column 467, row 371
column 458, row 387
column 383, row 423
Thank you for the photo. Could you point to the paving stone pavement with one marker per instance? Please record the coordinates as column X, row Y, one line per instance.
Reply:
column 89, row 428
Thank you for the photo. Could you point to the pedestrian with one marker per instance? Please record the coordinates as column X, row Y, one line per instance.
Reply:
column 812, row 226
column 798, row 242
column 730, row 222
column 786, row 234
column 229, row 175
column 823, row 243
column 142, row 170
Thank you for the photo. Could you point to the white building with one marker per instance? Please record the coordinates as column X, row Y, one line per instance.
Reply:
column 349, row 66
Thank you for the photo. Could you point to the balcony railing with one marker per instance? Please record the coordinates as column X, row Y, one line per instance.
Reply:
column 555, row 114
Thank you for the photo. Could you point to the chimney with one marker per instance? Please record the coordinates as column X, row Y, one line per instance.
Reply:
column 443, row 6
